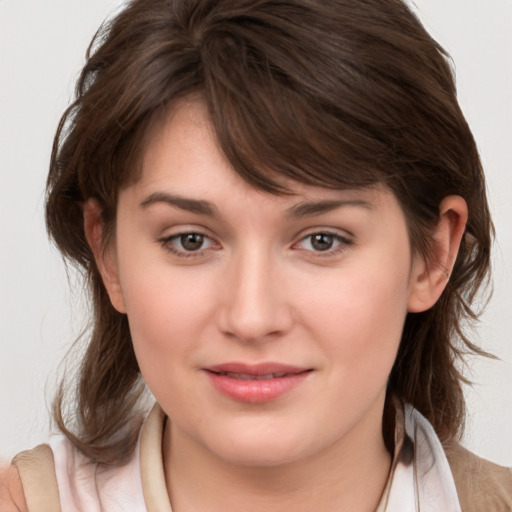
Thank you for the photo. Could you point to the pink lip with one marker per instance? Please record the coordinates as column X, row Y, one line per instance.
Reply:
column 255, row 383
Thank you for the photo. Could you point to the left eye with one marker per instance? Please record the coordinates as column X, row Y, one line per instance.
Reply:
column 322, row 242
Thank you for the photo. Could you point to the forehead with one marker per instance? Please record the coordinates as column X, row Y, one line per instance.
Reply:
column 186, row 177
column 182, row 154
column 182, row 137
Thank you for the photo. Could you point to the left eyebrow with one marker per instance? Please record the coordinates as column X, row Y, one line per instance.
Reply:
column 312, row 208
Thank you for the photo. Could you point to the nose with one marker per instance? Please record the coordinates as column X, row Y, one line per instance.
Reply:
column 255, row 305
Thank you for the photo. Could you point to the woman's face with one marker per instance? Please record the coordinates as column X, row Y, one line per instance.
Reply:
column 265, row 326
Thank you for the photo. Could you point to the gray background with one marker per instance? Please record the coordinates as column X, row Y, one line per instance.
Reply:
column 42, row 47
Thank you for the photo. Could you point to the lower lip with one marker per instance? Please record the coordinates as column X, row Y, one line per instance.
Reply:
column 256, row 391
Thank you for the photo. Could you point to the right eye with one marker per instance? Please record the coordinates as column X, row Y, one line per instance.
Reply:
column 187, row 244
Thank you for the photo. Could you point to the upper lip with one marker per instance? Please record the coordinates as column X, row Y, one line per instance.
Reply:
column 257, row 370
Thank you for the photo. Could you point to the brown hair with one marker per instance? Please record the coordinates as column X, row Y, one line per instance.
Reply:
column 338, row 93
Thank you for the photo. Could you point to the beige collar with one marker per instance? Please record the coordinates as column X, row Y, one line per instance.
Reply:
column 152, row 464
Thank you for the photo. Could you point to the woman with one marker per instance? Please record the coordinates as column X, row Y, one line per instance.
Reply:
column 282, row 215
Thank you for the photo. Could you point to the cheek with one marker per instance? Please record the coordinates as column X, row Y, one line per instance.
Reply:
column 362, row 302
column 169, row 310
column 360, row 316
column 162, row 329
column 163, row 311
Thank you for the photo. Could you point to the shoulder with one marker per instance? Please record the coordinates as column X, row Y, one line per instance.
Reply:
column 59, row 477
column 29, row 483
column 481, row 484
column 12, row 498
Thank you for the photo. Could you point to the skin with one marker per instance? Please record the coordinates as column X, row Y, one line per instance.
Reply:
column 12, row 498
column 258, row 289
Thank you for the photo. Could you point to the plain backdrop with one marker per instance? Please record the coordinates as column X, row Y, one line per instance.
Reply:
column 42, row 47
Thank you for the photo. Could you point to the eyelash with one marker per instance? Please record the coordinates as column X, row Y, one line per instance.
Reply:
column 169, row 244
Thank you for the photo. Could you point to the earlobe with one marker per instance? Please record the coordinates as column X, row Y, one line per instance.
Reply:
column 430, row 275
column 104, row 256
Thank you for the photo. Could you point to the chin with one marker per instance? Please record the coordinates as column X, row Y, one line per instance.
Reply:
column 258, row 455
column 257, row 448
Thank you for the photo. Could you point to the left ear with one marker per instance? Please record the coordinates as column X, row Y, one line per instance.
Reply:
column 430, row 275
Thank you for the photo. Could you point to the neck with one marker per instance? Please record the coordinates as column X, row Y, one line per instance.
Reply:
column 348, row 476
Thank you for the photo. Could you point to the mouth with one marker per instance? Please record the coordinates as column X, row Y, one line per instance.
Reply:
column 256, row 383
column 248, row 376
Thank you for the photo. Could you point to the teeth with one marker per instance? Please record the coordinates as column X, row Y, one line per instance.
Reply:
column 245, row 376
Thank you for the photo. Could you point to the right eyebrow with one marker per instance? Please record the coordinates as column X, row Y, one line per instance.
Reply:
column 197, row 206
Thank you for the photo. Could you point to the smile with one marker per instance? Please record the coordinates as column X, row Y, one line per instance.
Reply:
column 255, row 383
column 246, row 376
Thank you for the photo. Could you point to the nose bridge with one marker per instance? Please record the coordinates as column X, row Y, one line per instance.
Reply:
column 255, row 305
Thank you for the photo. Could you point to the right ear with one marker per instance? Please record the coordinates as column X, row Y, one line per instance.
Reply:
column 105, row 257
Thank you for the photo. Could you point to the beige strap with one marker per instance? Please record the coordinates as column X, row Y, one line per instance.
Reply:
column 37, row 472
